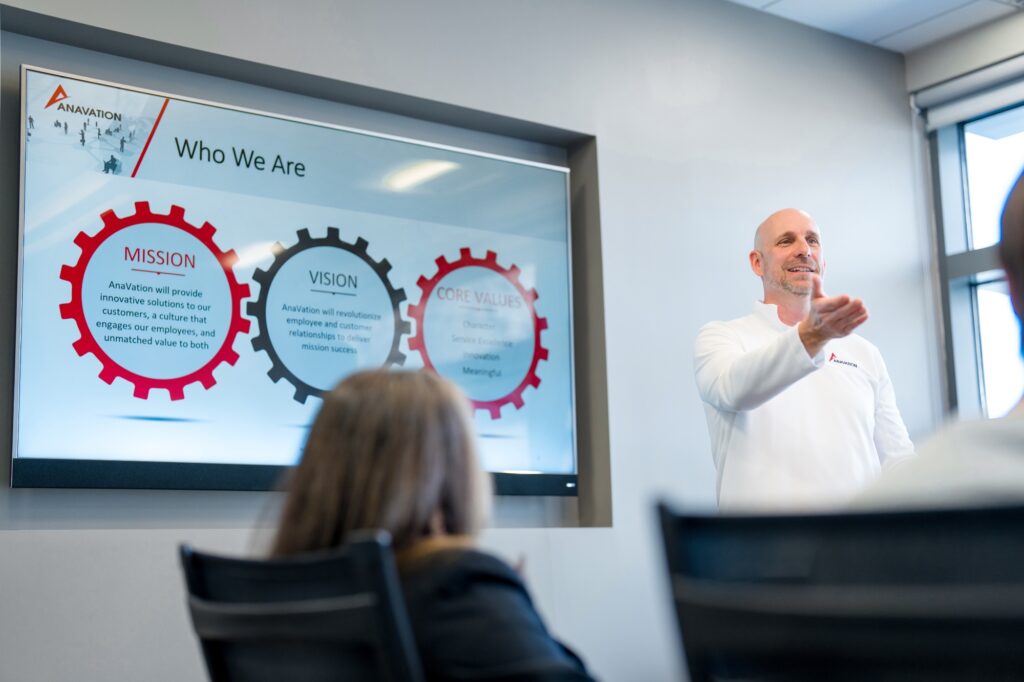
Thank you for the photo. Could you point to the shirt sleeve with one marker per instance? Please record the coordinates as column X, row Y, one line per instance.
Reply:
column 733, row 379
column 891, row 438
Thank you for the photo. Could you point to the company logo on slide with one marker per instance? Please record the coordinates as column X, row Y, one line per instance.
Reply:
column 58, row 95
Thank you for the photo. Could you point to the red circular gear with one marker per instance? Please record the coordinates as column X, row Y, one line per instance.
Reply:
column 490, row 261
column 73, row 310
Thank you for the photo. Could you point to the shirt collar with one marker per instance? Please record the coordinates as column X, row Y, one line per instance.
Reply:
column 769, row 312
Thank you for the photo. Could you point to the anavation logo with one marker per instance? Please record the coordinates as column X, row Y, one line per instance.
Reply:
column 58, row 95
column 835, row 358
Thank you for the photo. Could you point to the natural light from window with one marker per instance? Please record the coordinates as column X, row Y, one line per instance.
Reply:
column 994, row 149
column 1000, row 349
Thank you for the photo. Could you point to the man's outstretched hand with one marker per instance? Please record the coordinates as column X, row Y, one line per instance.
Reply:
column 829, row 318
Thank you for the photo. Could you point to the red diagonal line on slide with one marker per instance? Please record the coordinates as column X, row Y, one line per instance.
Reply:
column 150, row 138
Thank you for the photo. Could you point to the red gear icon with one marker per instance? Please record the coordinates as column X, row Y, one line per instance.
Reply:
column 490, row 261
column 73, row 309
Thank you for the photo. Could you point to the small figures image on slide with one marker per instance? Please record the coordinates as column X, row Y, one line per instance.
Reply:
column 325, row 309
column 477, row 325
column 112, row 165
column 155, row 301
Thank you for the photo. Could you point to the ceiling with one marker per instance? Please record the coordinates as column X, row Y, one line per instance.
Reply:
column 897, row 25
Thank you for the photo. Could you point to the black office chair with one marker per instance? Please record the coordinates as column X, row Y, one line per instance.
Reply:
column 908, row 595
column 319, row 617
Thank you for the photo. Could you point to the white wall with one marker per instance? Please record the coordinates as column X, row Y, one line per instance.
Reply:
column 708, row 117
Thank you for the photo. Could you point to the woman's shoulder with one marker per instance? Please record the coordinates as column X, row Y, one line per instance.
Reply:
column 454, row 567
column 473, row 618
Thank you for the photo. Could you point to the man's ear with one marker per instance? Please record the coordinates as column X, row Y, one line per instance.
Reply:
column 755, row 263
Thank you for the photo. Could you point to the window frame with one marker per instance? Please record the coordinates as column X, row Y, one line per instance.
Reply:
column 961, row 268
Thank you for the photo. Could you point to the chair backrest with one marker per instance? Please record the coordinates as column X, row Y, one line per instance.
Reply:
column 324, row 616
column 907, row 595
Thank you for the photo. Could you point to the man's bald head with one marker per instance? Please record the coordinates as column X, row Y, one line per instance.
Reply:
column 1011, row 245
column 787, row 255
column 780, row 221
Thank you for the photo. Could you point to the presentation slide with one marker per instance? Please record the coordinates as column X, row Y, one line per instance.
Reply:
column 194, row 277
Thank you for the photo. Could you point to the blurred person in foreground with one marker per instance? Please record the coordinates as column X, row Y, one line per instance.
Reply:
column 396, row 451
column 970, row 462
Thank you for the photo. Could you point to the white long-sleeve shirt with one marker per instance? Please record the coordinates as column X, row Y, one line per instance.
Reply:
column 789, row 431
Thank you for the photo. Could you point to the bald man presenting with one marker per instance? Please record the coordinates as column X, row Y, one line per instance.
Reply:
column 800, row 410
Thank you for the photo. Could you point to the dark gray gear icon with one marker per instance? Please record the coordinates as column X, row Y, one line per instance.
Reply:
column 258, row 308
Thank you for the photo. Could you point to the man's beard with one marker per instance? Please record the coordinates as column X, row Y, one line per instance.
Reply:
column 796, row 289
column 780, row 281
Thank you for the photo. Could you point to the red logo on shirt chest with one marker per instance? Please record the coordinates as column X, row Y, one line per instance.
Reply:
column 835, row 358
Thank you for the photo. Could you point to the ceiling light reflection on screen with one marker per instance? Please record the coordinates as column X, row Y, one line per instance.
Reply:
column 415, row 174
column 254, row 254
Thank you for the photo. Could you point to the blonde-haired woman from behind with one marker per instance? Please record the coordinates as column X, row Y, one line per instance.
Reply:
column 396, row 451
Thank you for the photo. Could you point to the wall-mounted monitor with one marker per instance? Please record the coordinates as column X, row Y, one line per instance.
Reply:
column 194, row 276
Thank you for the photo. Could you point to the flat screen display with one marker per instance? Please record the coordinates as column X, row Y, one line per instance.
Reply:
column 194, row 276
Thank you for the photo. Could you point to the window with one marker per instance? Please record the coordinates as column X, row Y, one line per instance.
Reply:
column 1001, row 367
column 994, row 154
column 976, row 164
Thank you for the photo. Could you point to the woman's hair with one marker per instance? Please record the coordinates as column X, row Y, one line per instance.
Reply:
column 391, row 450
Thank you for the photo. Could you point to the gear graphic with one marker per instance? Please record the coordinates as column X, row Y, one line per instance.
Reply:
column 265, row 278
column 73, row 309
column 490, row 262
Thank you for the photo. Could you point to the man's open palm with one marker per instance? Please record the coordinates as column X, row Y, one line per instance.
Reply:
column 829, row 318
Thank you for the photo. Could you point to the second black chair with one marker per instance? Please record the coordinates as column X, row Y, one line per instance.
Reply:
column 905, row 595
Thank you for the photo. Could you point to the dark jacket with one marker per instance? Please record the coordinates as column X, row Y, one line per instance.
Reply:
column 473, row 620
